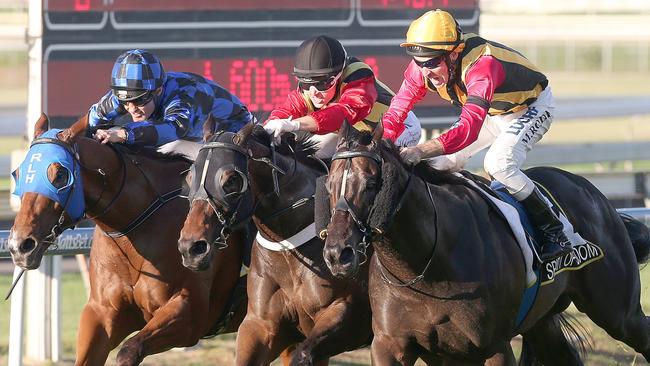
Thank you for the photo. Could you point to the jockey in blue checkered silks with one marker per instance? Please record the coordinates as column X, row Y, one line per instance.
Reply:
column 162, row 109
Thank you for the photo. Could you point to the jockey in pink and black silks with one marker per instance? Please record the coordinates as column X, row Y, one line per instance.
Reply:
column 506, row 104
column 333, row 87
column 162, row 109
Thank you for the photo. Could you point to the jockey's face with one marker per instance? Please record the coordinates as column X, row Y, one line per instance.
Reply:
column 323, row 92
column 438, row 75
column 142, row 112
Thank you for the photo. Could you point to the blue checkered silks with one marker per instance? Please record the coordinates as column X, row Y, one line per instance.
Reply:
column 186, row 101
column 137, row 69
column 31, row 176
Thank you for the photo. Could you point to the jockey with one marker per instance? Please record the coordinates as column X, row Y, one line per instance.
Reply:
column 505, row 102
column 333, row 87
column 165, row 110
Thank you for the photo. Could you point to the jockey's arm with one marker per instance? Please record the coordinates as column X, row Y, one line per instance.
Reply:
column 410, row 92
column 105, row 111
column 355, row 103
column 294, row 106
column 481, row 81
column 175, row 125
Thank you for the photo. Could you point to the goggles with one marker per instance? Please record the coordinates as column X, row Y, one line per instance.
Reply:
column 319, row 84
column 139, row 101
column 430, row 63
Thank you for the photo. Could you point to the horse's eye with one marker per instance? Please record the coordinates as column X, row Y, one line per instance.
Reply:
column 58, row 175
column 371, row 184
column 233, row 184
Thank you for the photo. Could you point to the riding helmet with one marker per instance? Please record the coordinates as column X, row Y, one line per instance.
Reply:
column 433, row 34
column 318, row 57
column 135, row 73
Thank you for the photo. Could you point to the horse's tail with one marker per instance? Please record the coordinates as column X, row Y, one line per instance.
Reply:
column 639, row 235
column 558, row 339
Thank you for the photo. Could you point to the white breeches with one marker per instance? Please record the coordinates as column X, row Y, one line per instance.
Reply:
column 188, row 148
column 511, row 138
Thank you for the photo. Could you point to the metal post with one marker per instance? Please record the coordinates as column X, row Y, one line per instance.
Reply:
column 15, row 357
column 38, row 311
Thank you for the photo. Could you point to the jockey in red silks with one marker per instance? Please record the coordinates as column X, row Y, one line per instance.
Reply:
column 333, row 87
column 506, row 104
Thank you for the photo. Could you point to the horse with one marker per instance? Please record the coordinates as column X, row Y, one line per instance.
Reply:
column 293, row 299
column 446, row 277
column 136, row 277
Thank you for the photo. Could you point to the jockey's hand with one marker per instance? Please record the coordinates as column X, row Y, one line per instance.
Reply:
column 111, row 135
column 276, row 127
column 411, row 155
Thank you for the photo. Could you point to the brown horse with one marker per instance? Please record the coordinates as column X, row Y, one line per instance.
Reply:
column 137, row 280
column 292, row 296
column 446, row 279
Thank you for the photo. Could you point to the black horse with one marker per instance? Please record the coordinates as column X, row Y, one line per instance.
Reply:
column 292, row 296
column 447, row 278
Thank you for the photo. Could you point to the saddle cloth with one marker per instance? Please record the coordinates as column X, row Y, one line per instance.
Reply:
column 511, row 214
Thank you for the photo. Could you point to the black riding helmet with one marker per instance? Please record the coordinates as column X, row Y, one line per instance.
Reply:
column 319, row 57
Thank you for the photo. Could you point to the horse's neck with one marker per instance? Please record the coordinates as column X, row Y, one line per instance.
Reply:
column 123, row 192
column 297, row 183
column 413, row 234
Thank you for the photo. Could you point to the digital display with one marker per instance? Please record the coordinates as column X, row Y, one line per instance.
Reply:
column 261, row 84
column 175, row 5
column 246, row 46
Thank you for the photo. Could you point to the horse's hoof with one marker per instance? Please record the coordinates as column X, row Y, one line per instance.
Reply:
column 302, row 358
column 129, row 356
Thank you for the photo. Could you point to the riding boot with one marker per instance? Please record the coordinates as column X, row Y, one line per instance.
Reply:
column 554, row 241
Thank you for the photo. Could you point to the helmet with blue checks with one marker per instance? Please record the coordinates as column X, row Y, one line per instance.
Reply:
column 135, row 74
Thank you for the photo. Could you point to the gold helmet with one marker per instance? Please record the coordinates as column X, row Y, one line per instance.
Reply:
column 433, row 34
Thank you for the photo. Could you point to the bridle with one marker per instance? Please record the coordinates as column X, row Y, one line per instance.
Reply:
column 342, row 204
column 366, row 230
column 229, row 222
column 73, row 150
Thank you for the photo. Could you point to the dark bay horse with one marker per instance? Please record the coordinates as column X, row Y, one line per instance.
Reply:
column 293, row 298
column 447, row 278
column 137, row 280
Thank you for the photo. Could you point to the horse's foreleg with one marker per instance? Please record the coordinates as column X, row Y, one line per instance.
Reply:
column 259, row 341
column 505, row 357
column 100, row 330
column 173, row 325
column 285, row 356
column 336, row 329
column 390, row 351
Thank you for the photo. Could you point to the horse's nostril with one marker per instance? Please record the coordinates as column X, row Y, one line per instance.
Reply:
column 347, row 255
column 199, row 247
column 27, row 245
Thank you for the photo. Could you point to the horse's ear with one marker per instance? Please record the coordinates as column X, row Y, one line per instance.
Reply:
column 378, row 133
column 70, row 134
column 209, row 126
column 244, row 133
column 41, row 125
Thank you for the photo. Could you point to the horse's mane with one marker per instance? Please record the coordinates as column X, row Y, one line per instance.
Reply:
column 303, row 145
column 423, row 170
column 150, row 153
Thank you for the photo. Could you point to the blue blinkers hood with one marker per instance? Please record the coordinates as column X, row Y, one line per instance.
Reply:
column 32, row 174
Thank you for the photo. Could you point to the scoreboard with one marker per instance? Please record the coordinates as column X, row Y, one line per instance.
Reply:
column 247, row 46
